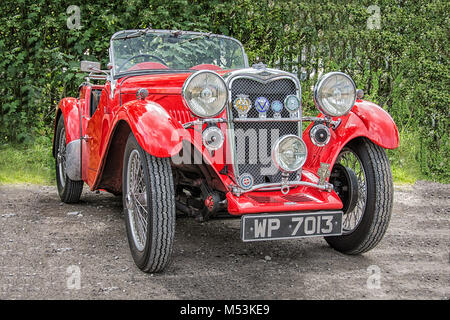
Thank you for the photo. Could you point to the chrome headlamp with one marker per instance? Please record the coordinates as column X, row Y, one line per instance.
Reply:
column 205, row 94
column 335, row 94
column 289, row 153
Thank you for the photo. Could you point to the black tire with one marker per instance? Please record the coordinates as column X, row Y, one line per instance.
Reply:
column 69, row 190
column 379, row 201
column 156, row 250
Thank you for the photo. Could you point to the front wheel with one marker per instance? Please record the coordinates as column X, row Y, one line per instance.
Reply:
column 363, row 180
column 149, row 207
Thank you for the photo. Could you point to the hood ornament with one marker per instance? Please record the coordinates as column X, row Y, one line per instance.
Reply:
column 259, row 66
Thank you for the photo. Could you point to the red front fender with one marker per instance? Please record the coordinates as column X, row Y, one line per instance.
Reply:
column 380, row 127
column 69, row 109
column 155, row 130
column 366, row 119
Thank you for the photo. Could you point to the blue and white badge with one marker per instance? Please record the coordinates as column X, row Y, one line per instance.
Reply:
column 262, row 105
column 246, row 181
column 277, row 107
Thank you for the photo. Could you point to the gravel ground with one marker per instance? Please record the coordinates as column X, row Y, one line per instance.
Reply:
column 45, row 245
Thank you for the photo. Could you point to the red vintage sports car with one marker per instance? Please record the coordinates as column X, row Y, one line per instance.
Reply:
column 181, row 122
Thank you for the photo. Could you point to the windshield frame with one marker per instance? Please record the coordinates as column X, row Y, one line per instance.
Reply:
column 158, row 31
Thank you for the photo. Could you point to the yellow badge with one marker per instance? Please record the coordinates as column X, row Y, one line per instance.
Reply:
column 242, row 104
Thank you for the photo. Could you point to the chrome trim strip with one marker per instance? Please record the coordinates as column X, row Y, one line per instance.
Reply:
column 267, row 119
column 276, row 186
column 314, row 119
column 97, row 76
column 202, row 121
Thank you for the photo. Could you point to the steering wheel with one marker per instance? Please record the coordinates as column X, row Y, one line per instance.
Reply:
column 142, row 55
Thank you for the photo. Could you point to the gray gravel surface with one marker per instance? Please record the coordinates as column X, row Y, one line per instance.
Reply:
column 51, row 250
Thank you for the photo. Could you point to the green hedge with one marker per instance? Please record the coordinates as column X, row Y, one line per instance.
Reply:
column 401, row 62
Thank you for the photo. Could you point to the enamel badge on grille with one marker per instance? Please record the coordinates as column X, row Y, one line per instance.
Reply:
column 246, row 181
column 292, row 104
column 277, row 107
column 262, row 105
column 242, row 104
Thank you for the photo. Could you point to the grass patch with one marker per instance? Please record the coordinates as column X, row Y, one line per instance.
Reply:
column 405, row 159
column 27, row 163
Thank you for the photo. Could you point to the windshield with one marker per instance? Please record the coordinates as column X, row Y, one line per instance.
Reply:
column 157, row 50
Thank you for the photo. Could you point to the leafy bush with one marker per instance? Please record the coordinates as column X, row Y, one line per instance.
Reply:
column 400, row 59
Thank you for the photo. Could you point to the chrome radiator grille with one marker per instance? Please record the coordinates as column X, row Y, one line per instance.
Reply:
column 252, row 157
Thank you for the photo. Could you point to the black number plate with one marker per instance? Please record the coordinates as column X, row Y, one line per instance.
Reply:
column 290, row 225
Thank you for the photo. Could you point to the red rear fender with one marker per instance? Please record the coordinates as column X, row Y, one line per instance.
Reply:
column 69, row 109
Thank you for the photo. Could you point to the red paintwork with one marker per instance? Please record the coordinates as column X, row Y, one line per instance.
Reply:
column 315, row 199
column 69, row 108
column 155, row 123
column 155, row 130
column 381, row 128
column 147, row 66
column 206, row 66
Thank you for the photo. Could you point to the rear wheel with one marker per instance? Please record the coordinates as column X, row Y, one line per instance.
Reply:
column 363, row 180
column 149, row 207
column 69, row 190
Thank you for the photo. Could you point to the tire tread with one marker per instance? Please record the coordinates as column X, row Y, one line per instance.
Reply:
column 71, row 193
column 161, row 206
column 384, row 197
column 378, row 168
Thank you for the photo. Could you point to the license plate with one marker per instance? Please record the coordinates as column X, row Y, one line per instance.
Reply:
column 290, row 225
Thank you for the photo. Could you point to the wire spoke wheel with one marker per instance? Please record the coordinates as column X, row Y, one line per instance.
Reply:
column 69, row 190
column 61, row 156
column 136, row 200
column 362, row 179
column 350, row 160
column 149, row 207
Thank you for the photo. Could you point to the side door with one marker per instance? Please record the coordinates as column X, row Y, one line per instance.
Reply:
column 96, row 125
column 85, row 104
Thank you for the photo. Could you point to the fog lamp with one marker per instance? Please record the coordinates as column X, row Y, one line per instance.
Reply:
column 289, row 153
column 320, row 135
column 213, row 138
